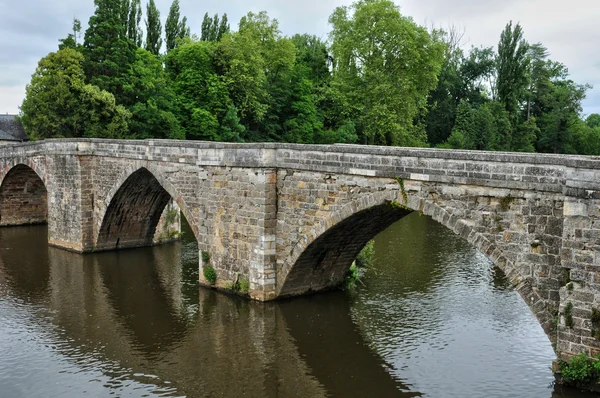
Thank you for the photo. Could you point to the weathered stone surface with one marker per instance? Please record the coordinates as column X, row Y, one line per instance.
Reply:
column 291, row 218
column 23, row 198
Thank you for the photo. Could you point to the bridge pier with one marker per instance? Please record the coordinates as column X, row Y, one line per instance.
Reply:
column 239, row 220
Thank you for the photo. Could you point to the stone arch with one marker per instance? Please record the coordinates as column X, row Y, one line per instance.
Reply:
column 130, row 211
column 35, row 164
column 321, row 260
column 522, row 284
column 23, row 195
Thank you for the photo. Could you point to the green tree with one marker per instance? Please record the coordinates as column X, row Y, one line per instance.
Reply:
column 175, row 28
column 278, row 55
column 525, row 136
column 539, row 79
column 312, row 53
column 76, row 30
column 99, row 115
column 254, row 64
column 513, row 65
column 71, row 40
column 304, row 122
column 108, row 53
column 501, row 135
column 593, row 120
column 125, row 7
column 205, row 33
column 231, row 128
column 58, row 103
column 213, row 29
column 153, row 28
column 153, row 110
column 443, row 100
column 202, row 97
column 588, row 137
column 560, row 119
column 223, row 27
column 456, row 140
column 385, row 65
column 482, row 127
column 478, row 75
column 134, row 31
column 465, row 127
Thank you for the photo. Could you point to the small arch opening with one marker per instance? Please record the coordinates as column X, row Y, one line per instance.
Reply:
column 23, row 198
column 324, row 263
column 141, row 213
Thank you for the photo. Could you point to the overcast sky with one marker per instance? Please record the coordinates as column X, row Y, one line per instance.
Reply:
column 30, row 29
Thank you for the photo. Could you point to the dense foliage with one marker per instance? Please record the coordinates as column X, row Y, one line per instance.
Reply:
column 379, row 79
column 580, row 369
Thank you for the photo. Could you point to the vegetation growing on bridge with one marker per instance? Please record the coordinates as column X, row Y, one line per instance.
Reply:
column 568, row 313
column 400, row 182
column 397, row 205
column 208, row 270
column 505, row 202
column 255, row 84
column 241, row 285
column 363, row 261
column 580, row 369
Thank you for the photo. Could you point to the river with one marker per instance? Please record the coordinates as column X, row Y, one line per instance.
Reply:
column 433, row 319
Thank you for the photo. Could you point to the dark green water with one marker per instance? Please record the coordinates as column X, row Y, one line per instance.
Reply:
column 434, row 320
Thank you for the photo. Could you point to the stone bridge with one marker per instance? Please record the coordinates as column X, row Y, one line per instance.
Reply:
column 290, row 219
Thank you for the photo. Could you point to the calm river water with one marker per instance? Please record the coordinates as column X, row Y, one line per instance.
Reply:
column 434, row 319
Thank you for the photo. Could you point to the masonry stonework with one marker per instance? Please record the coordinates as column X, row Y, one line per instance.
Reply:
column 291, row 218
column 23, row 198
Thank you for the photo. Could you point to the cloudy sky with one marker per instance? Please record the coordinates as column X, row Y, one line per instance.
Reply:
column 30, row 29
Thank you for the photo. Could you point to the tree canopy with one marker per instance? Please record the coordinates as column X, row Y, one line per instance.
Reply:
column 379, row 78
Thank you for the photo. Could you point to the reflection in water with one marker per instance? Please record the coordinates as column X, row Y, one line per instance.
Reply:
column 334, row 349
column 447, row 321
column 434, row 320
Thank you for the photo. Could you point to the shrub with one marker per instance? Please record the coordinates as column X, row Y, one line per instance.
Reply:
column 351, row 277
column 244, row 285
column 209, row 274
column 365, row 257
column 580, row 369
column 569, row 315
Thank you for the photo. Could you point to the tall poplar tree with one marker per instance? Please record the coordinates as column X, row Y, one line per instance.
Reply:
column 71, row 40
column 134, row 31
column 174, row 27
column 513, row 67
column 214, row 28
column 124, row 13
column 153, row 28
column 223, row 27
column 206, row 28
